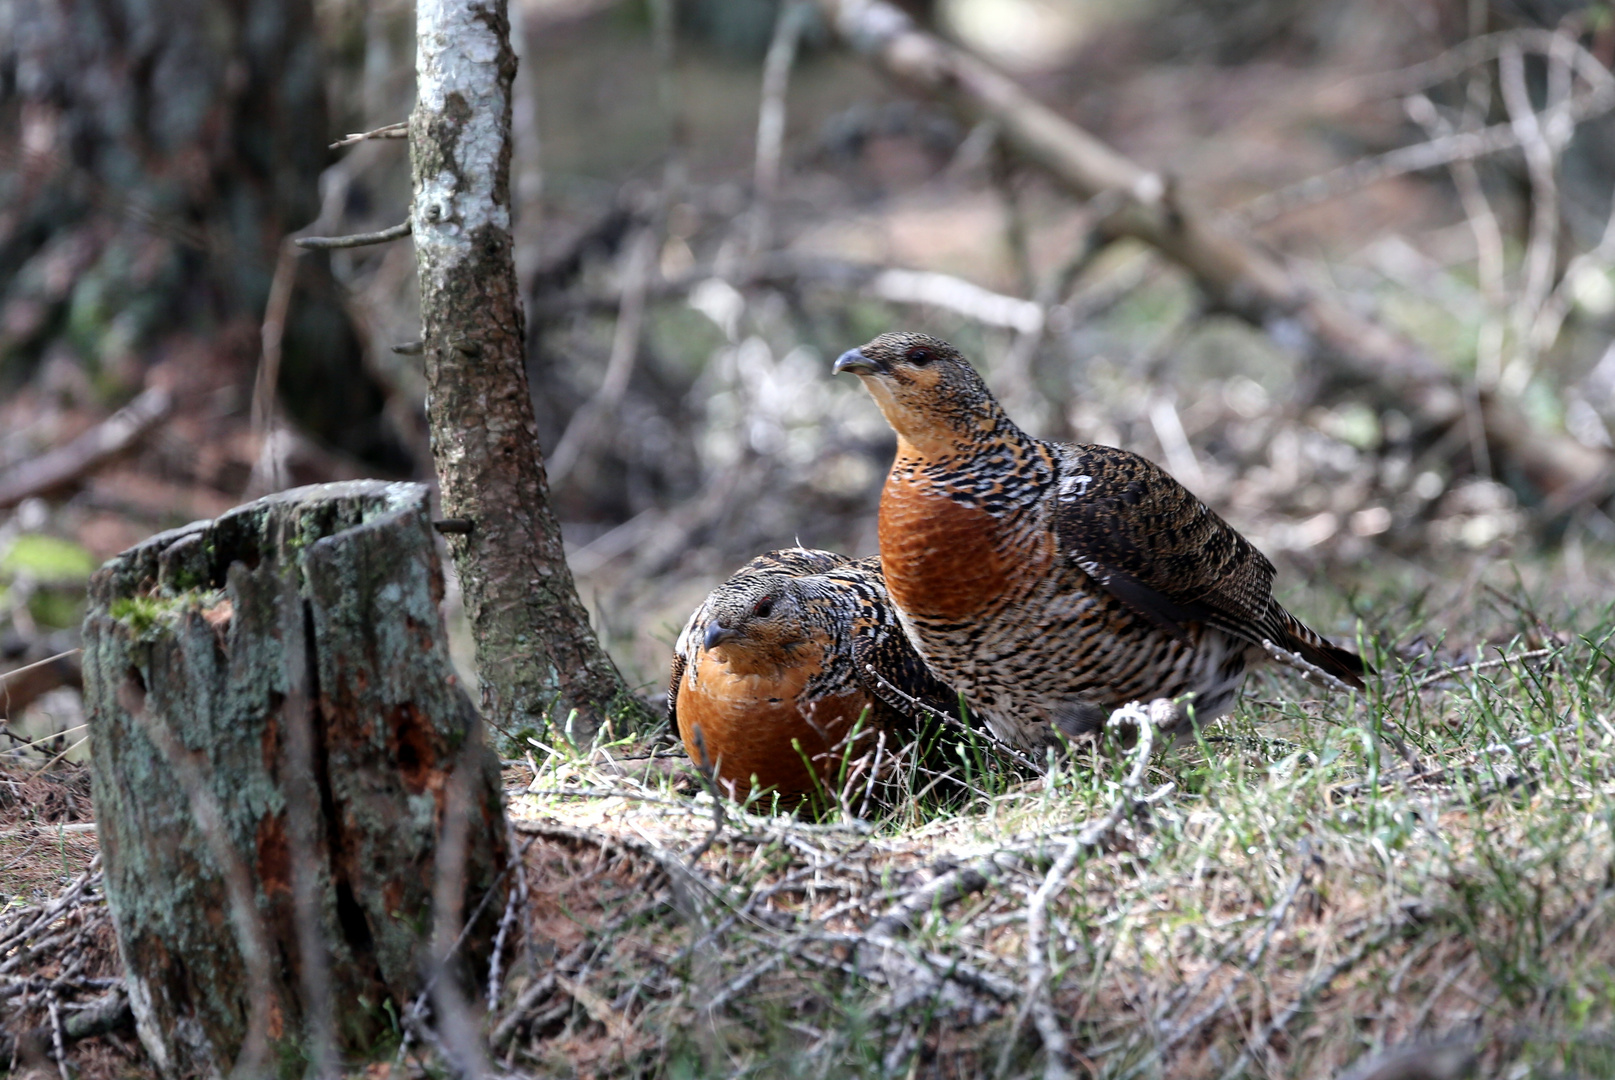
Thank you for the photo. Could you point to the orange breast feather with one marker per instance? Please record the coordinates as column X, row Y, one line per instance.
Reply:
column 942, row 560
column 748, row 722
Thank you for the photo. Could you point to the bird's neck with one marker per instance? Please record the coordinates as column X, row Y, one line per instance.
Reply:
column 998, row 469
column 974, row 434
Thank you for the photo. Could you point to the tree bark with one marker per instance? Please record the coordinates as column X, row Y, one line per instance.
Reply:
column 276, row 729
column 152, row 157
column 1234, row 272
column 536, row 652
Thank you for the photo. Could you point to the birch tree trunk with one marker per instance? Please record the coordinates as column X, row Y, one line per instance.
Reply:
column 537, row 655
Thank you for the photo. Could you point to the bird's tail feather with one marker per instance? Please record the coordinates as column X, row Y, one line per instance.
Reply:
column 1301, row 639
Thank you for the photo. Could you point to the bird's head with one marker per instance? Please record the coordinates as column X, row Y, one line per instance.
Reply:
column 929, row 393
column 755, row 622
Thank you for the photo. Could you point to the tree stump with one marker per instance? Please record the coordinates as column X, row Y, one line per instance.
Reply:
column 278, row 745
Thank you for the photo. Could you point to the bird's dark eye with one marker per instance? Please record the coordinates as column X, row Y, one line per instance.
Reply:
column 764, row 607
column 919, row 356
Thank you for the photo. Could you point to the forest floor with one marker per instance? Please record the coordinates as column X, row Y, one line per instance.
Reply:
column 1322, row 884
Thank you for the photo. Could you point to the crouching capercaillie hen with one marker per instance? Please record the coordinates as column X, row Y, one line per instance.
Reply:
column 771, row 677
column 1051, row 583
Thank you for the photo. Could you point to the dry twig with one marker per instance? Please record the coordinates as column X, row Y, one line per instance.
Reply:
column 330, row 243
column 400, row 130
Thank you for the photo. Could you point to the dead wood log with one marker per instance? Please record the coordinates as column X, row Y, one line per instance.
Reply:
column 272, row 709
column 67, row 464
column 1233, row 271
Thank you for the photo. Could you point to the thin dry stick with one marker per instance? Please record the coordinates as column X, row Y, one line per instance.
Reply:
column 56, row 1033
column 951, row 721
column 1486, row 665
column 399, row 130
column 793, row 17
column 1480, row 50
column 1489, row 267
column 452, row 1013
column 1541, row 143
column 63, row 754
column 1039, row 1001
column 598, row 411
column 1451, row 147
column 962, row 881
column 1274, row 918
column 1545, row 330
column 1432, row 154
column 517, row 902
column 269, row 471
column 31, row 680
column 20, row 931
column 704, row 768
column 52, row 737
column 6, row 677
column 1311, row 990
column 1309, row 671
column 252, row 938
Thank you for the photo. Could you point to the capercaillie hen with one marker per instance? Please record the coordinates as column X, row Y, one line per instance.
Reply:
column 1050, row 583
column 773, row 670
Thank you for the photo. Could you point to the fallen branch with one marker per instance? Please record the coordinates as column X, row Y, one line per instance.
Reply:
column 67, row 464
column 109, row 1013
column 1234, row 273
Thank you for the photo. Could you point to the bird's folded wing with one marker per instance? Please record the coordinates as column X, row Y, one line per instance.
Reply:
column 1153, row 545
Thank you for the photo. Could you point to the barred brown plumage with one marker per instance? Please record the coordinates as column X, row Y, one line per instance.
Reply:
column 773, row 669
column 1049, row 582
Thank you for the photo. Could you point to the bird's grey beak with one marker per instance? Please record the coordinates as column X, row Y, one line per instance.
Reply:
column 717, row 634
column 856, row 362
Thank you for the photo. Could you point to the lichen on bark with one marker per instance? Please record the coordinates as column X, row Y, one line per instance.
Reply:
column 537, row 655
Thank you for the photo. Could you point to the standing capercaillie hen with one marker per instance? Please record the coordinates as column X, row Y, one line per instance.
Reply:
column 773, row 670
column 1051, row 583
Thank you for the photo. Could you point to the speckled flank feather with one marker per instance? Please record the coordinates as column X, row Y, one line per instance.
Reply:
column 1049, row 582
column 792, row 635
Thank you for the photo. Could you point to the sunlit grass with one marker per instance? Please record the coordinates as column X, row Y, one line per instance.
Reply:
column 1327, row 877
